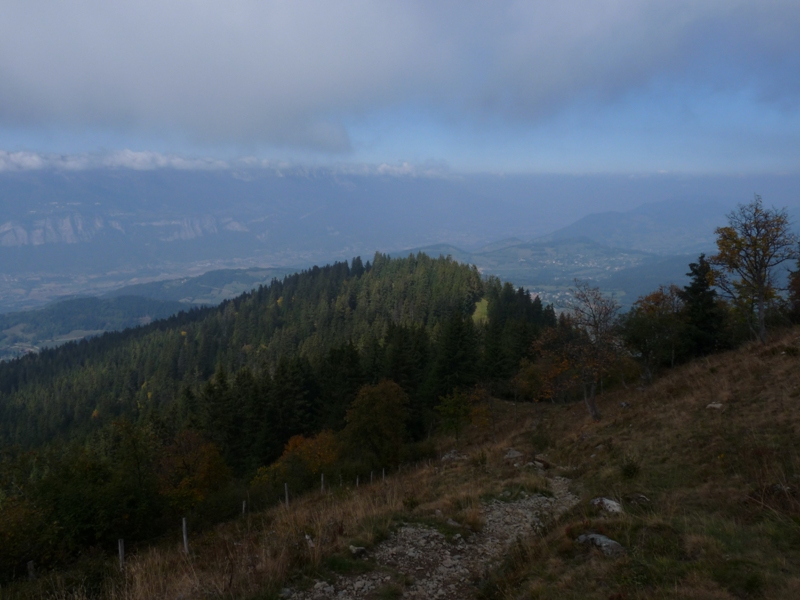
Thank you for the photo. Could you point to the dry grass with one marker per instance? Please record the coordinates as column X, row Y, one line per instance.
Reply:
column 721, row 519
column 723, row 516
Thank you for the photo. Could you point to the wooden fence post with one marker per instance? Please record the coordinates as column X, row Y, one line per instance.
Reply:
column 244, row 506
column 322, row 483
column 286, row 493
column 31, row 571
column 383, row 471
column 185, row 537
column 121, row 547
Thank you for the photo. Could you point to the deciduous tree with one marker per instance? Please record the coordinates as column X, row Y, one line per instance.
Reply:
column 595, row 315
column 376, row 423
column 654, row 328
column 755, row 242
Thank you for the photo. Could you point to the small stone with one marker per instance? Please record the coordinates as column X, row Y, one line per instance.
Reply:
column 453, row 523
column 715, row 405
column 639, row 499
column 357, row 551
column 611, row 506
column 624, row 405
column 512, row 454
column 606, row 545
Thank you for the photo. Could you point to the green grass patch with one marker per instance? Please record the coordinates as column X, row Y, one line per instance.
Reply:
column 345, row 565
column 481, row 314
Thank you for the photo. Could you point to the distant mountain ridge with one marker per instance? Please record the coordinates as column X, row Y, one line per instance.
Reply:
column 671, row 227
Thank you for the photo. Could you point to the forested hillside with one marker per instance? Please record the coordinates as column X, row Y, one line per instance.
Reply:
column 167, row 418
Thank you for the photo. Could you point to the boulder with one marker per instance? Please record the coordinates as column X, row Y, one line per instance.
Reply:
column 512, row 454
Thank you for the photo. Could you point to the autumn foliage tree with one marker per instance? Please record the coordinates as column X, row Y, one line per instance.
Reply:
column 654, row 328
column 553, row 371
column 595, row 316
column 302, row 461
column 755, row 242
column 376, row 424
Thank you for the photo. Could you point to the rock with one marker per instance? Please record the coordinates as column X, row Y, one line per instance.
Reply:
column 639, row 499
column 606, row 545
column 453, row 523
column 715, row 405
column 610, row 506
column 454, row 455
column 309, row 541
column 624, row 405
column 285, row 593
column 512, row 454
column 357, row 551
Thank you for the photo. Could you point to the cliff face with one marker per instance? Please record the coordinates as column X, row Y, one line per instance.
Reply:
column 68, row 229
column 75, row 227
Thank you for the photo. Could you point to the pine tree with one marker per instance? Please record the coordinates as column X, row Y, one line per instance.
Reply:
column 705, row 317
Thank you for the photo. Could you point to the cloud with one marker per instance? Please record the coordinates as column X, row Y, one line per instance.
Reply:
column 241, row 167
column 298, row 74
column 125, row 159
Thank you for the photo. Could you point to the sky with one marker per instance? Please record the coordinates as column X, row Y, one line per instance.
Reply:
column 536, row 86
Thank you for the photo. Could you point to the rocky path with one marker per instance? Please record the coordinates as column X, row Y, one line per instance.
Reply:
column 420, row 562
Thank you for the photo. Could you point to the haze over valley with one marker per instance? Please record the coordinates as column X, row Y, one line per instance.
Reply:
column 89, row 232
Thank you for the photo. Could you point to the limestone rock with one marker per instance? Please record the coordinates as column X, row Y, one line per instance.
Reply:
column 607, row 505
column 606, row 545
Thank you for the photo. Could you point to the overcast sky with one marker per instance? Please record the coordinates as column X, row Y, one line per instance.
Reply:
column 565, row 86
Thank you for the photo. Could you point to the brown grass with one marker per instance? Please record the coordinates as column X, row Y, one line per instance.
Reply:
column 723, row 517
column 722, row 520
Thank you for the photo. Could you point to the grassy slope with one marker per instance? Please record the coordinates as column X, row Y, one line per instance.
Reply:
column 722, row 518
